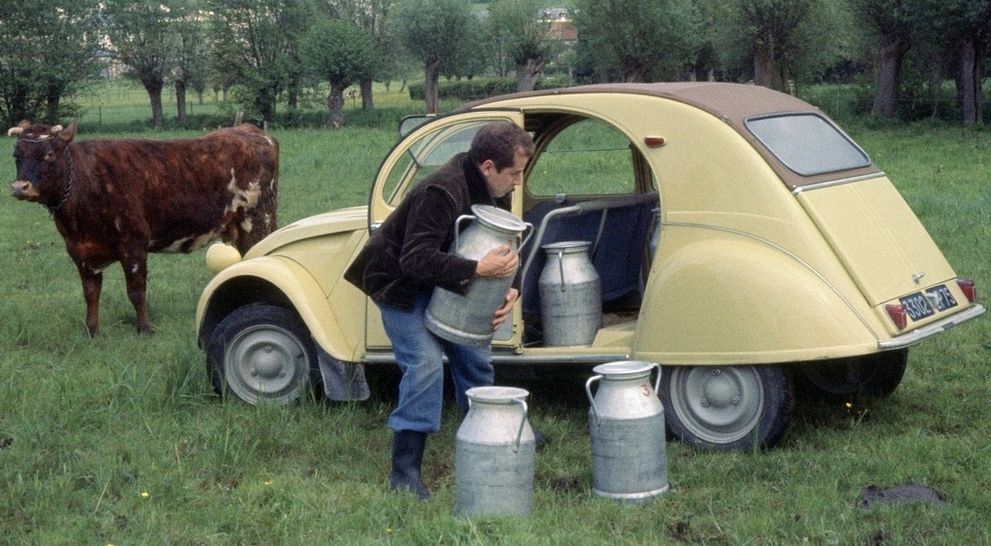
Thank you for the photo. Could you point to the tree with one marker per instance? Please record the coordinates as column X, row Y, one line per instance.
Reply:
column 46, row 55
column 890, row 22
column 342, row 53
column 255, row 46
column 519, row 30
column 191, row 59
column 631, row 40
column 144, row 37
column 375, row 17
column 434, row 31
column 965, row 27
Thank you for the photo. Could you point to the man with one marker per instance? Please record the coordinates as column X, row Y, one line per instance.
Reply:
column 409, row 255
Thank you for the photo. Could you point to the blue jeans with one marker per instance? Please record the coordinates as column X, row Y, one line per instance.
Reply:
column 419, row 354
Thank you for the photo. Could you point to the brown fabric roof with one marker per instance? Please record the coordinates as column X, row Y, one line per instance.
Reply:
column 731, row 102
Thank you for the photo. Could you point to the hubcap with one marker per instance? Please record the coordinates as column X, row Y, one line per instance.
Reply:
column 718, row 405
column 266, row 363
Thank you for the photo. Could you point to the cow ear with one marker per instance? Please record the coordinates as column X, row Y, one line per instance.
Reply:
column 68, row 133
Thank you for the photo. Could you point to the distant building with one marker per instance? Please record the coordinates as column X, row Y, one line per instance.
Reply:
column 562, row 27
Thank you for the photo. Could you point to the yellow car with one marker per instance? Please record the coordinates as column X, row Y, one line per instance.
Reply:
column 742, row 240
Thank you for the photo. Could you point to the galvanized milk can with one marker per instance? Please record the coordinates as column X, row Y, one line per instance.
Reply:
column 570, row 295
column 626, row 424
column 467, row 319
column 494, row 455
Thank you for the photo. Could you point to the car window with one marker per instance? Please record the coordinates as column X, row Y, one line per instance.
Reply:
column 426, row 156
column 808, row 144
column 589, row 157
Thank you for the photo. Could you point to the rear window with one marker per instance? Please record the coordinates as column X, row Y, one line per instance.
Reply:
column 808, row 144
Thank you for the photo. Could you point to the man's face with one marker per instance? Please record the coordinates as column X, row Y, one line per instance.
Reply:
column 501, row 182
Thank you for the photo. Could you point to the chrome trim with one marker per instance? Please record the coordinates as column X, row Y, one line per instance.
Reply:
column 837, row 182
column 390, row 358
column 915, row 336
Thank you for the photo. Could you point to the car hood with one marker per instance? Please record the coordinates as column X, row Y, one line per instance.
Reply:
column 349, row 219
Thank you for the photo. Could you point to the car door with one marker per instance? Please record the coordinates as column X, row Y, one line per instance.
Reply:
column 422, row 152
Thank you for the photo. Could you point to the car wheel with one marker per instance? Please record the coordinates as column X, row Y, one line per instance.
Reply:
column 875, row 376
column 727, row 408
column 262, row 354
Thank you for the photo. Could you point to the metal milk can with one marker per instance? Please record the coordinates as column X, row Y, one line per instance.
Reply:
column 467, row 319
column 570, row 295
column 494, row 455
column 626, row 425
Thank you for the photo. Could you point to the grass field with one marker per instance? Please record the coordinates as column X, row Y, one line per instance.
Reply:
column 119, row 439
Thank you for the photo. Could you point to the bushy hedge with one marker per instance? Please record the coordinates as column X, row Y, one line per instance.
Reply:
column 480, row 88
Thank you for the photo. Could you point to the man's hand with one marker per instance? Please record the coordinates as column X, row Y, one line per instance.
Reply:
column 501, row 261
column 506, row 310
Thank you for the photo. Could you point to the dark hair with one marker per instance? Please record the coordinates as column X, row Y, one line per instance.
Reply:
column 499, row 142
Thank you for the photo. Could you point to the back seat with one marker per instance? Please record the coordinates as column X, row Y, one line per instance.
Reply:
column 618, row 230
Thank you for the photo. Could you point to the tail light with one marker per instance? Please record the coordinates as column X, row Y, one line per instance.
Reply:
column 969, row 289
column 898, row 315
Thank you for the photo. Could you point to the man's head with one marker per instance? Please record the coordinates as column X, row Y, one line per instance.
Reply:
column 500, row 151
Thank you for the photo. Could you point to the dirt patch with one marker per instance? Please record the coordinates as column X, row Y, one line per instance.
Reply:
column 901, row 494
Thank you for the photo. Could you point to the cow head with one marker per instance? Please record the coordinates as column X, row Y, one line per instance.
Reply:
column 38, row 154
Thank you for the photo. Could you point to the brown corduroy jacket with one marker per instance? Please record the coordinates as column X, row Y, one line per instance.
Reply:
column 410, row 252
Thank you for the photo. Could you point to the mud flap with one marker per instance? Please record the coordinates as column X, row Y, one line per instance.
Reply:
column 342, row 381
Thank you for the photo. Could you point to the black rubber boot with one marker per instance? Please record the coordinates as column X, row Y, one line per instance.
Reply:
column 407, row 456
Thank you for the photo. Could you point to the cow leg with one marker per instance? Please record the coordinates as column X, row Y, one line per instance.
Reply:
column 135, row 275
column 92, row 284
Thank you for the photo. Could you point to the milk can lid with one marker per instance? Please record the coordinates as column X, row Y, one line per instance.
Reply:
column 498, row 218
column 496, row 395
column 566, row 246
column 624, row 367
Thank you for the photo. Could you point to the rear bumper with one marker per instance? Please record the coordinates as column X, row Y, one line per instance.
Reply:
column 915, row 336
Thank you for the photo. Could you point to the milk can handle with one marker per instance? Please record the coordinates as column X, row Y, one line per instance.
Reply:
column 588, row 391
column 457, row 228
column 527, row 238
column 519, row 433
column 657, row 382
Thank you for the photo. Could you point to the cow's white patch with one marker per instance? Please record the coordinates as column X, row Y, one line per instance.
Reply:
column 246, row 225
column 246, row 198
column 269, row 140
column 134, row 269
column 187, row 244
column 117, row 223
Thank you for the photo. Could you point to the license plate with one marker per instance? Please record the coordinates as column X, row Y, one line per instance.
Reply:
column 941, row 298
column 917, row 306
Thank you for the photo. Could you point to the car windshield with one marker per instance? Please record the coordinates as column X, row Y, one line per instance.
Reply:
column 807, row 143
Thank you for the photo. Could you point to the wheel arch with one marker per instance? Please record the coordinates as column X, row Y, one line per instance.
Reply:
column 277, row 281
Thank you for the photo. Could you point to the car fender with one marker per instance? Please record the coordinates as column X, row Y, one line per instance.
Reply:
column 721, row 297
column 273, row 279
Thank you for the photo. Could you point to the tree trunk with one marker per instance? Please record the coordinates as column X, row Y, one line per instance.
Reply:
column 335, row 103
column 367, row 102
column 53, row 98
column 155, row 95
column 180, row 102
column 967, row 86
column 528, row 73
column 888, row 77
column 764, row 70
column 431, row 76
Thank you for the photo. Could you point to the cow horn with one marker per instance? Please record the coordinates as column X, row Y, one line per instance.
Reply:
column 14, row 131
column 56, row 129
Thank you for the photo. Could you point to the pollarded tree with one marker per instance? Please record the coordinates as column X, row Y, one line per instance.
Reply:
column 143, row 34
column 45, row 55
column 524, row 36
column 255, row 45
column 631, row 40
column 374, row 17
column 890, row 23
column 341, row 53
column 772, row 28
column 434, row 31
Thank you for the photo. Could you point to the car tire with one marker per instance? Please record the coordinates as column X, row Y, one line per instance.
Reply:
column 727, row 408
column 873, row 376
column 263, row 354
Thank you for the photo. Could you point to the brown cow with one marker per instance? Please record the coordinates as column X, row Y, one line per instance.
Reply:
column 118, row 200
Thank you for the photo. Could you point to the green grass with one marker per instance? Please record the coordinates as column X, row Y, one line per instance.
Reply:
column 119, row 439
